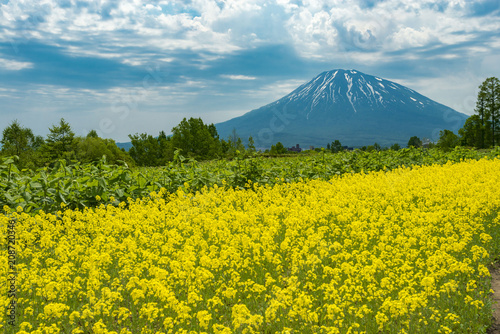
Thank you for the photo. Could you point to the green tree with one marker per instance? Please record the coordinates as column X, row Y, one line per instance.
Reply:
column 225, row 147
column 16, row 139
column 147, row 150
column 415, row 142
column 488, row 108
column 235, row 144
column 213, row 131
column 251, row 144
column 20, row 141
column 336, row 146
column 92, row 149
column 370, row 148
column 278, row 149
column 166, row 151
column 92, row 134
column 60, row 142
column 448, row 140
column 196, row 139
column 475, row 132
column 395, row 147
column 481, row 111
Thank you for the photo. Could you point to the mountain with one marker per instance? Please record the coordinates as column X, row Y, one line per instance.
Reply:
column 353, row 107
column 126, row 146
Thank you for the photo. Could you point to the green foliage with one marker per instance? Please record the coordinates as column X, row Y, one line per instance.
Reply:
column 483, row 129
column 232, row 145
column 395, row 147
column 196, row 139
column 21, row 142
column 448, row 140
column 60, row 142
column 278, row 149
column 92, row 134
column 251, row 144
column 414, row 142
column 150, row 151
column 78, row 185
column 475, row 132
column 336, row 146
column 33, row 152
column 92, row 149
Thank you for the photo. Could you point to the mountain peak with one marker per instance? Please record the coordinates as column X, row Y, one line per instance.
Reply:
column 354, row 107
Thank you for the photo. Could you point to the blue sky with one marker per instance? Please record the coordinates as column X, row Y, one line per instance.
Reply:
column 128, row 66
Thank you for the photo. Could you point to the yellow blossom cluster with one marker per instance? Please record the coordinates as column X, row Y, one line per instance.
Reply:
column 404, row 251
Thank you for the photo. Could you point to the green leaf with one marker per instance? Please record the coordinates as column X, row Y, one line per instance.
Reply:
column 35, row 185
column 120, row 192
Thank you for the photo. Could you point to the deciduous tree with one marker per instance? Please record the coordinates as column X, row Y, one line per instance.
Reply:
column 20, row 141
column 415, row 142
column 448, row 140
column 336, row 146
column 196, row 139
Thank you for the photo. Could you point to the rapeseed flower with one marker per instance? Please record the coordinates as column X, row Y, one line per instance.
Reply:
column 400, row 251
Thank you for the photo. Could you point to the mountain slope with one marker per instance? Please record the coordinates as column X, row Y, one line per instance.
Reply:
column 353, row 107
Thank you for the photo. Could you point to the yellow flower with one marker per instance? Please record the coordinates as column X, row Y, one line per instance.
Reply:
column 359, row 253
column 204, row 319
column 221, row 329
column 73, row 317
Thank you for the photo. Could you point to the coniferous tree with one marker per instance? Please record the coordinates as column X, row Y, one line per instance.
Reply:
column 489, row 106
column 60, row 142
column 251, row 144
column 482, row 130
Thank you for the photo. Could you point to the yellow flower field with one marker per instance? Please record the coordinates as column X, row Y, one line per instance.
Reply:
column 388, row 252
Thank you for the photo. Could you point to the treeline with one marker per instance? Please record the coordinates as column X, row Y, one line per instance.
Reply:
column 191, row 137
column 35, row 151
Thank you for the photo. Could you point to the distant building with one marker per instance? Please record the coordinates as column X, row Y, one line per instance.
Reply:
column 295, row 148
column 311, row 148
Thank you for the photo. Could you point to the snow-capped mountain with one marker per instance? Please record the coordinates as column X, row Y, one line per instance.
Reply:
column 353, row 107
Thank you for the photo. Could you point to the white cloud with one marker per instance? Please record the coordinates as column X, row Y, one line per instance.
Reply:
column 408, row 37
column 14, row 65
column 319, row 28
column 237, row 77
column 337, row 32
column 455, row 90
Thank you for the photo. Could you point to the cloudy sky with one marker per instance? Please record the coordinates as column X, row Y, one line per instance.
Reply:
column 129, row 66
